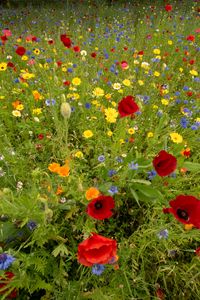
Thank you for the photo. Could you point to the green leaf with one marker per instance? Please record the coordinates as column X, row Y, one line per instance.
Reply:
column 135, row 195
column 190, row 166
column 148, row 191
column 60, row 250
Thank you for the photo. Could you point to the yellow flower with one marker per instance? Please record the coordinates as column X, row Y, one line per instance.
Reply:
column 76, row 81
column 3, row 66
column 126, row 82
column 145, row 65
column 194, row 72
column 122, row 141
column 156, row 74
column 64, row 69
column 114, row 103
column 24, row 57
column 20, row 107
column 170, row 42
column 37, row 111
column 150, row 134
column 108, row 96
column 36, row 51
column 2, row 97
column 98, row 92
column 87, row 134
column 131, row 130
column 140, row 82
column 165, row 101
column 156, row 51
column 16, row 113
column 109, row 133
column 79, row 154
column 26, row 75
column 181, row 70
column 176, row 138
column 95, row 102
column 120, row 91
column 111, row 115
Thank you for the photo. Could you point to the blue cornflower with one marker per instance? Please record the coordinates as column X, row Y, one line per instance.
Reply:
column 101, row 158
column 111, row 173
column 5, row 261
column 87, row 105
column 185, row 88
column 98, row 269
column 151, row 174
column 194, row 127
column 163, row 234
column 113, row 190
column 184, row 122
column 133, row 166
column 31, row 225
column 119, row 159
column 69, row 70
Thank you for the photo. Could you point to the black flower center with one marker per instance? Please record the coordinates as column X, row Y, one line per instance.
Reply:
column 182, row 214
column 98, row 205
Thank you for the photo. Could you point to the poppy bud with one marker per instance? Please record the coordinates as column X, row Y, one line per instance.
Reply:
column 65, row 110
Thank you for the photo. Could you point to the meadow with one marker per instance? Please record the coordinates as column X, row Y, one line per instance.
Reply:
column 99, row 150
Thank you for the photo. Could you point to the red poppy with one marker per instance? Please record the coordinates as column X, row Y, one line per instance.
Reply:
column 101, row 207
column 66, row 40
column 127, row 106
column 4, row 39
column 141, row 52
column 96, row 249
column 190, row 38
column 20, row 51
column 192, row 61
column 76, row 49
column 197, row 251
column 50, row 42
column 93, row 54
column 185, row 209
column 164, row 163
column 168, row 7
column 4, row 281
column 67, row 82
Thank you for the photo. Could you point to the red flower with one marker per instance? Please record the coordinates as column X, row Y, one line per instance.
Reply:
column 127, row 106
column 168, row 7
column 66, row 40
column 197, row 251
column 190, row 38
column 93, row 54
column 50, row 42
column 185, row 209
column 76, row 49
column 96, row 249
column 20, row 51
column 164, row 163
column 101, row 207
column 4, row 281
column 4, row 39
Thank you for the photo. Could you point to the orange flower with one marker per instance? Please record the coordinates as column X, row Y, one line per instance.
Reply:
column 54, row 167
column 16, row 103
column 92, row 193
column 64, row 171
column 59, row 190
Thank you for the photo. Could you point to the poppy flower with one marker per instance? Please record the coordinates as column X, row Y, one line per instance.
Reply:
column 168, row 7
column 96, row 249
column 127, row 106
column 8, row 276
column 190, row 38
column 20, row 51
column 101, row 207
column 66, row 40
column 186, row 209
column 164, row 163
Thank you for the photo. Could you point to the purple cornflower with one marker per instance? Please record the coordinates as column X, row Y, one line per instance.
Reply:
column 113, row 190
column 151, row 174
column 133, row 166
column 5, row 261
column 98, row 269
column 31, row 225
column 101, row 158
column 163, row 234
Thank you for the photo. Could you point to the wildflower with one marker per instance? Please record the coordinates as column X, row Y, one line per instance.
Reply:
column 20, row 51
column 98, row 269
column 186, row 209
column 133, row 166
column 31, row 225
column 150, row 134
column 113, row 190
column 109, row 133
column 131, row 130
column 98, row 92
column 151, row 174
column 168, row 7
column 186, row 152
column 79, row 154
column 163, row 234
column 37, row 95
column 165, row 101
column 96, row 249
column 116, row 86
column 126, row 82
column 127, row 106
column 164, row 163
column 63, row 171
column 194, row 72
column 156, row 74
column 169, row 42
column 111, row 173
column 5, row 261
column 54, row 167
column 176, row 138
column 16, row 113
column 111, row 115
column 76, row 81
column 37, row 111
column 156, row 51
column 92, row 193
column 101, row 158
column 36, row 51
column 101, row 207
column 87, row 134
column 3, row 66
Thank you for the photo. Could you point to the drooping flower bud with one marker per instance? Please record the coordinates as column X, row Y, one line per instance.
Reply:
column 65, row 110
